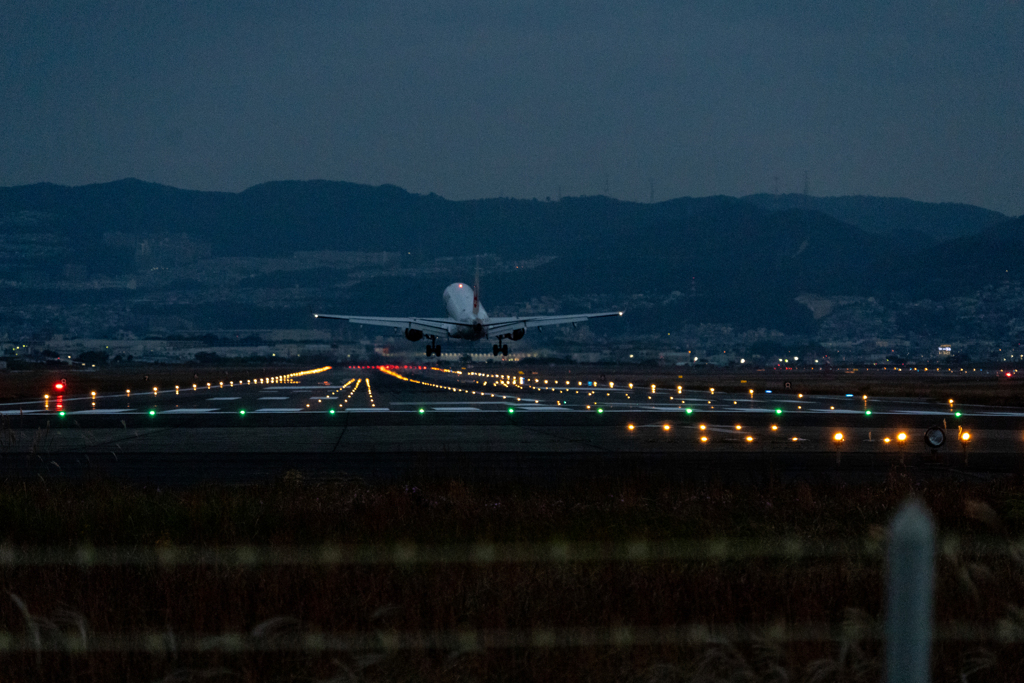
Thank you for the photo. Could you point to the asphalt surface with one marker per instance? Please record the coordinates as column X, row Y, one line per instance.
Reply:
column 402, row 423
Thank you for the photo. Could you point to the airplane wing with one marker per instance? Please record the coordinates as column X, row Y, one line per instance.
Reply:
column 496, row 326
column 435, row 326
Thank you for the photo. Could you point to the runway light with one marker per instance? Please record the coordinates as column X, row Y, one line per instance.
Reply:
column 152, row 413
column 332, row 411
column 689, row 411
column 775, row 428
column 965, row 437
column 837, row 437
column 242, row 412
column 957, row 414
column 778, row 411
column 666, row 427
column 510, row 411
column 739, row 427
column 886, row 440
column 703, row 427
column 422, row 411
column 867, row 412
column 599, row 410
column 61, row 413
column 749, row 439
column 630, row 427
column 901, row 437
column 703, row 439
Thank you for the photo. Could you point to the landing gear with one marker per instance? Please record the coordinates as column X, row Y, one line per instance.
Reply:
column 433, row 350
column 495, row 350
column 502, row 349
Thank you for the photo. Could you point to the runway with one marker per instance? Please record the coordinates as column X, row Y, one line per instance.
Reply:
column 399, row 422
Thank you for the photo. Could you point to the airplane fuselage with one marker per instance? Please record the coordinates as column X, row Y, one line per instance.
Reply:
column 471, row 319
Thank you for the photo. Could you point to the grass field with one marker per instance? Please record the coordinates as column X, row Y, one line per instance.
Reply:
column 270, row 611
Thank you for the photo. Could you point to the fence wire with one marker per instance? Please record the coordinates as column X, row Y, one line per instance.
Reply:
column 404, row 554
column 476, row 640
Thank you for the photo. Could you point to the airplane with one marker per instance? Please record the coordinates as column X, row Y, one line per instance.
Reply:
column 467, row 320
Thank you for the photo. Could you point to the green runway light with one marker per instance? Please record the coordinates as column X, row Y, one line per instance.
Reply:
column 332, row 411
column 152, row 413
column 867, row 412
column 600, row 410
column 689, row 411
column 957, row 413
column 510, row 411
column 778, row 411
column 61, row 413
column 422, row 411
column 241, row 412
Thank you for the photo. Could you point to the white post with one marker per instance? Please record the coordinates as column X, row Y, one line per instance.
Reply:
column 910, row 583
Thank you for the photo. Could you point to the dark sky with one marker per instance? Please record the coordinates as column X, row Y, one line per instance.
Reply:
column 915, row 98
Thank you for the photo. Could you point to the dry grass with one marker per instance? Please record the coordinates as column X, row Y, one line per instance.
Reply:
column 277, row 604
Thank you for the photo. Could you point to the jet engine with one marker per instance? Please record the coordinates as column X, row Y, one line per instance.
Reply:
column 518, row 334
column 413, row 335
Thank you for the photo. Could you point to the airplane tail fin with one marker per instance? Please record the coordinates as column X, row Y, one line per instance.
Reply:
column 476, row 290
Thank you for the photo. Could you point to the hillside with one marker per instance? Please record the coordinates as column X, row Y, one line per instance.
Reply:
column 147, row 257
